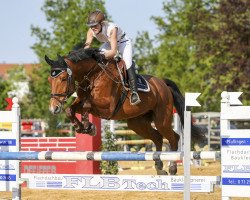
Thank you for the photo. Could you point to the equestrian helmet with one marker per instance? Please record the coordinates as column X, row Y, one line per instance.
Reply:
column 95, row 18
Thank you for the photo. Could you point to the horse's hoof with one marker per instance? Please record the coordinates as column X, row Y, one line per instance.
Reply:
column 172, row 168
column 161, row 172
column 93, row 131
column 78, row 130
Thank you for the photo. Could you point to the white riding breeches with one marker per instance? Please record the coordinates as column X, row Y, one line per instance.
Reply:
column 125, row 49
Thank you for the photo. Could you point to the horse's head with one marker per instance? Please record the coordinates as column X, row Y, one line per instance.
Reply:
column 61, row 82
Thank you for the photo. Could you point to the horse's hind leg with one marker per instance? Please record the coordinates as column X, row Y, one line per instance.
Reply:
column 142, row 126
column 173, row 140
column 163, row 123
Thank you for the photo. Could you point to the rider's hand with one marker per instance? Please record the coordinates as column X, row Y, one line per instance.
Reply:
column 99, row 55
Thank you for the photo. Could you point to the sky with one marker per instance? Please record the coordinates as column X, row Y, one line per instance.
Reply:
column 17, row 16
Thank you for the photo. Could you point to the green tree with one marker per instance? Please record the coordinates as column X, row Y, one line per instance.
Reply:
column 109, row 167
column 145, row 53
column 203, row 47
column 225, row 42
column 17, row 74
column 196, row 42
column 4, row 89
column 68, row 28
column 178, row 46
column 11, row 86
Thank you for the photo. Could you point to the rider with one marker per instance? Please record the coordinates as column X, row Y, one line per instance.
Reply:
column 114, row 40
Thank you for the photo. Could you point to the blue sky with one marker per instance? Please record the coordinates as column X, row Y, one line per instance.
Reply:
column 17, row 16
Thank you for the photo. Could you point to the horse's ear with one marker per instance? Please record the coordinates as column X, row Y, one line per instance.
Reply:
column 59, row 57
column 61, row 60
column 48, row 60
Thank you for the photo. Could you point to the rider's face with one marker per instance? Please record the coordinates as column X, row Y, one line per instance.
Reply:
column 96, row 28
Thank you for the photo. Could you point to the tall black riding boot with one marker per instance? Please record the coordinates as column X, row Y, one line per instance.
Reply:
column 134, row 98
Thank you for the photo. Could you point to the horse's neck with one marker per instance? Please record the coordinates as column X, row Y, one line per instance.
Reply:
column 82, row 69
column 92, row 69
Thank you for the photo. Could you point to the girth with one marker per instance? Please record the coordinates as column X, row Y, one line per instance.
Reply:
column 120, row 102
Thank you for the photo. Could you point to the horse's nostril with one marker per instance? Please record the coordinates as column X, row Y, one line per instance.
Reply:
column 57, row 109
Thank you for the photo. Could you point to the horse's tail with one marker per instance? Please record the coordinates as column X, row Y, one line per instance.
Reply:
column 179, row 103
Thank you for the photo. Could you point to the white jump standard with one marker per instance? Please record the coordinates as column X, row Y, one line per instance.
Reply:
column 235, row 148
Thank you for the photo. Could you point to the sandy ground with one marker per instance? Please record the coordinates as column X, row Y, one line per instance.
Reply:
column 207, row 169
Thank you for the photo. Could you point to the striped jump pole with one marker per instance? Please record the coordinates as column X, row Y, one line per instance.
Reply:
column 108, row 156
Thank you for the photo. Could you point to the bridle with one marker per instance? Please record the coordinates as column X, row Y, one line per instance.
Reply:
column 68, row 91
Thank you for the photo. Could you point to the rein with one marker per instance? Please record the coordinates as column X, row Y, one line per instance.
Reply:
column 106, row 70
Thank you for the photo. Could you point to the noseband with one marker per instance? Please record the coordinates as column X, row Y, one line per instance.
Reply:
column 68, row 92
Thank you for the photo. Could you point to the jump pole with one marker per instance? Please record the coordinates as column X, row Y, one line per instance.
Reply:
column 108, row 156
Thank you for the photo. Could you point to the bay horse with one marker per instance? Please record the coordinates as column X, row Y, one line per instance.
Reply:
column 99, row 89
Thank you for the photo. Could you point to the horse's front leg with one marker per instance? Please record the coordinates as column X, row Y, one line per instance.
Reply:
column 79, row 107
column 88, row 127
column 71, row 111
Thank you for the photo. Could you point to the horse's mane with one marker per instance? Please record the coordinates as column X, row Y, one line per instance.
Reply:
column 82, row 54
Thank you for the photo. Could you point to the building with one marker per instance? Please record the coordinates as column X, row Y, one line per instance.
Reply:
column 4, row 68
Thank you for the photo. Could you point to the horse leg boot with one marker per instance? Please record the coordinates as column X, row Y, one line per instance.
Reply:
column 134, row 98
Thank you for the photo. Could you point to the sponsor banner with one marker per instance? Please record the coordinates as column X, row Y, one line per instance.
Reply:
column 119, row 182
column 9, row 169
column 235, row 166
column 7, row 177
column 236, row 181
column 235, row 141
column 8, row 174
column 235, row 155
column 8, row 182
column 7, row 142
column 7, row 166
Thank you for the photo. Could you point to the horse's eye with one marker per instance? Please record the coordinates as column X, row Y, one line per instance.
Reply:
column 64, row 79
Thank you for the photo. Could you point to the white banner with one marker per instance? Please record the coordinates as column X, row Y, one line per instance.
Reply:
column 119, row 182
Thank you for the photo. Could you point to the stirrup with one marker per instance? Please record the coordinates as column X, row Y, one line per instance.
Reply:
column 138, row 99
